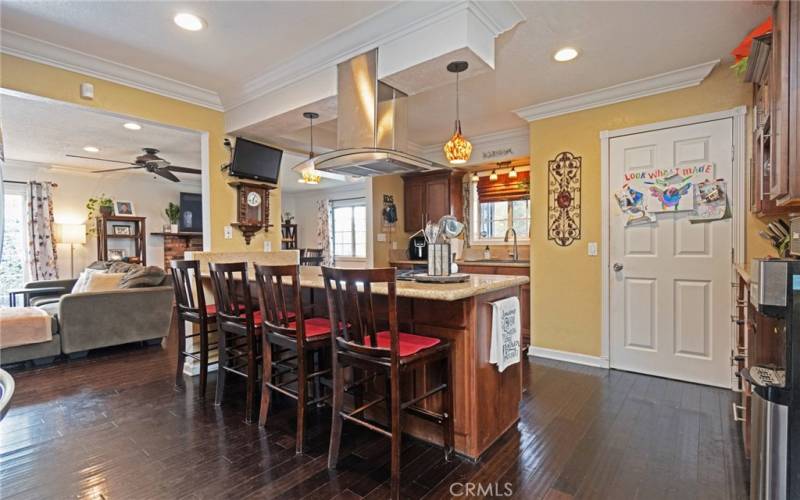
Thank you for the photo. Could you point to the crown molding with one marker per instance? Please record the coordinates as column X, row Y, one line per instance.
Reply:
column 40, row 51
column 386, row 26
column 664, row 82
column 486, row 148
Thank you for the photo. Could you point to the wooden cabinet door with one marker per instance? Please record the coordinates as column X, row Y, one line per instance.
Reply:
column 779, row 96
column 437, row 198
column 413, row 205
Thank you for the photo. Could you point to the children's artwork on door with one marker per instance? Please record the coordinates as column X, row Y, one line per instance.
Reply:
column 711, row 201
column 631, row 202
column 669, row 189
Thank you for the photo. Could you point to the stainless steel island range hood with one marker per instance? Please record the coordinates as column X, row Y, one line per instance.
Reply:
column 372, row 124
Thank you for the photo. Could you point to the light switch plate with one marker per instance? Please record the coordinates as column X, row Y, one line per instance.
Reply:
column 381, row 236
column 592, row 248
column 228, row 231
column 267, row 246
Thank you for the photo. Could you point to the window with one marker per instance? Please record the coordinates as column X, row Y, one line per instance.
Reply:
column 13, row 266
column 349, row 228
column 497, row 216
column 497, row 205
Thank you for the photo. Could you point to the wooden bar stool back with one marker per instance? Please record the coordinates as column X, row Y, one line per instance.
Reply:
column 364, row 342
column 239, row 329
column 187, row 285
column 291, row 343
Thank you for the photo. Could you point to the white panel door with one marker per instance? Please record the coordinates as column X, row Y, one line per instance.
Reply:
column 670, row 281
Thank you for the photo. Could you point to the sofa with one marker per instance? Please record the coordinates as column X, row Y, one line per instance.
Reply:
column 90, row 320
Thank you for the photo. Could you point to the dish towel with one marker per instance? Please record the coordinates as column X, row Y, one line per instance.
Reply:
column 505, row 344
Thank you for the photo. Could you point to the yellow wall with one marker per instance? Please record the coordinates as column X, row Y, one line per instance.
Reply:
column 393, row 185
column 54, row 83
column 566, row 283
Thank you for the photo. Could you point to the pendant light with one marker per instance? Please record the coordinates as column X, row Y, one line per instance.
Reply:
column 458, row 149
column 493, row 175
column 512, row 174
column 475, row 177
column 308, row 177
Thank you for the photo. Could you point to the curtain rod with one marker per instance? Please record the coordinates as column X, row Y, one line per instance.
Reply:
column 34, row 182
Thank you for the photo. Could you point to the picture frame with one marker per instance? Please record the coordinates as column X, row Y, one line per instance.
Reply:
column 123, row 208
column 191, row 218
column 117, row 254
column 121, row 230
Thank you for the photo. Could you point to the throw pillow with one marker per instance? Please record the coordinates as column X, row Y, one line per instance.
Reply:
column 143, row 277
column 101, row 265
column 103, row 282
column 83, row 279
column 122, row 267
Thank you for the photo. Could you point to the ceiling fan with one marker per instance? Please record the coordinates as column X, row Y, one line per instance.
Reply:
column 149, row 161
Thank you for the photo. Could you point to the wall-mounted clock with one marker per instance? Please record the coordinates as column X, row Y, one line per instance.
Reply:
column 252, row 207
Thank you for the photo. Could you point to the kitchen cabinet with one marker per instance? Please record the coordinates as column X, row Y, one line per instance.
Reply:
column 775, row 168
column 430, row 196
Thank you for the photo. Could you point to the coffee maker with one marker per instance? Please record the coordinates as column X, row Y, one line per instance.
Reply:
column 775, row 399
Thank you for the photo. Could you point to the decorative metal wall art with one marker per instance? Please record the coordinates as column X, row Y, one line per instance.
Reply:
column 564, row 199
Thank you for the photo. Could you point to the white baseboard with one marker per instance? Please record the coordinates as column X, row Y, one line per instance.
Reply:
column 569, row 357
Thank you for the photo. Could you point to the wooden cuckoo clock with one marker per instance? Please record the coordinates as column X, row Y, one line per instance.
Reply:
column 252, row 207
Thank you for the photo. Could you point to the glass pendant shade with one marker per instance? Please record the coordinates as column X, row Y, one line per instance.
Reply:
column 475, row 177
column 309, row 178
column 513, row 173
column 493, row 176
column 458, row 149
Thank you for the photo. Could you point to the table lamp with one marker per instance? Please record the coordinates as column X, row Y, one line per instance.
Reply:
column 72, row 234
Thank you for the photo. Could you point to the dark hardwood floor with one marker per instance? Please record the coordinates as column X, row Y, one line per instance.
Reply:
column 113, row 426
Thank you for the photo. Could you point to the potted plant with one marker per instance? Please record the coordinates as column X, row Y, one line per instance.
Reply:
column 173, row 213
column 96, row 207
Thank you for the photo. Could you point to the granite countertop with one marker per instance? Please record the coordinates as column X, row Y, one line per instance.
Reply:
column 478, row 284
column 489, row 263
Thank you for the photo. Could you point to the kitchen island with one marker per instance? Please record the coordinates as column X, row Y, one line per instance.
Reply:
column 486, row 401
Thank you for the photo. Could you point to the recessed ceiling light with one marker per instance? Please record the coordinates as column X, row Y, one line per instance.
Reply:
column 189, row 22
column 91, row 149
column 565, row 54
column 132, row 126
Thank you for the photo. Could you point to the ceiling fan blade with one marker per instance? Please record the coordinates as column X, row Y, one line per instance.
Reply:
column 166, row 174
column 115, row 169
column 187, row 170
column 101, row 159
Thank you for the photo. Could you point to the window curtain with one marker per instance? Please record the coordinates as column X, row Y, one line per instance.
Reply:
column 42, row 255
column 466, row 214
column 324, row 231
column 504, row 188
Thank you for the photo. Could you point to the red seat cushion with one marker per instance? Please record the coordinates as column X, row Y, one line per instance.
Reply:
column 314, row 326
column 409, row 343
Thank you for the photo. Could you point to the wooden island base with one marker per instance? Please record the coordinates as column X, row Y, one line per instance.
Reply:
column 486, row 401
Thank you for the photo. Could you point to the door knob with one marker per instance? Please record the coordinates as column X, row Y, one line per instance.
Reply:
column 618, row 267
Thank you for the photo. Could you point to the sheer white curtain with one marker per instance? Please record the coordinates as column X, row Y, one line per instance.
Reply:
column 42, row 255
column 324, row 231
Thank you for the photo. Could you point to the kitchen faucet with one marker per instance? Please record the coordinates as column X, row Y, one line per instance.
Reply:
column 516, row 249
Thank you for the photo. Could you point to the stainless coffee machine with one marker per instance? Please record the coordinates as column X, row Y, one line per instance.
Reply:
column 775, row 410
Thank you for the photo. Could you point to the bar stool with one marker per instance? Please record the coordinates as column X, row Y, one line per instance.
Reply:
column 361, row 343
column 302, row 338
column 239, row 328
column 186, row 283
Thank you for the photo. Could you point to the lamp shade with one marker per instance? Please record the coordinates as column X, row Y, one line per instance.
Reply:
column 72, row 233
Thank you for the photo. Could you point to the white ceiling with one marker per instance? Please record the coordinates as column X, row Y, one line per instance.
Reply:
column 44, row 132
column 618, row 42
column 243, row 39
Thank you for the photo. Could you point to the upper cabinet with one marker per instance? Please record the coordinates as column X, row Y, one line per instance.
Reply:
column 430, row 196
column 773, row 67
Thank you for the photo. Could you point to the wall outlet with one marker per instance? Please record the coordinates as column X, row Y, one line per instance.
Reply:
column 593, row 249
column 228, row 231
column 267, row 246
column 382, row 237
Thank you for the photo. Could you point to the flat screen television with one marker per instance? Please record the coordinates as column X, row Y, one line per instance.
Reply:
column 191, row 219
column 252, row 160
